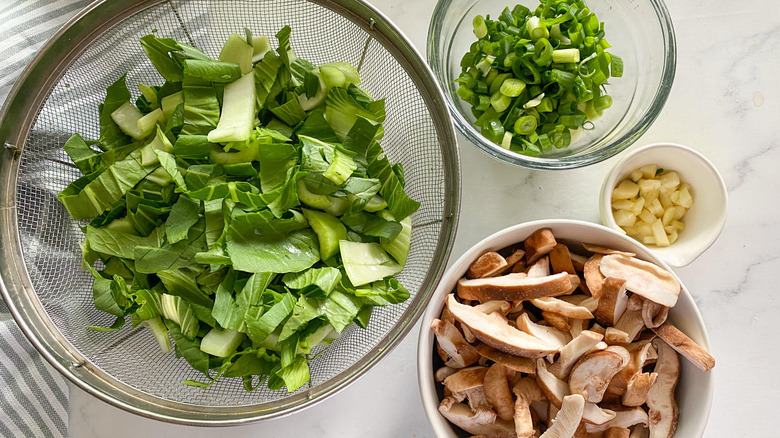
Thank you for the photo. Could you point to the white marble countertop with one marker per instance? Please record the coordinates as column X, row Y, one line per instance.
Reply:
column 725, row 103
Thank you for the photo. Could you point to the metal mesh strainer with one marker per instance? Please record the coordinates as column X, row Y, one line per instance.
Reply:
column 40, row 274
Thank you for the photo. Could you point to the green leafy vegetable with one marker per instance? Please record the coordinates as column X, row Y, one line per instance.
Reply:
column 244, row 208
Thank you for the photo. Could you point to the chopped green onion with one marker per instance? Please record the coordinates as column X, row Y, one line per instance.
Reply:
column 506, row 143
column 525, row 125
column 616, row 66
column 512, row 87
column 566, row 55
column 602, row 103
column 500, row 102
column 465, row 93
column 497, row 82
column 480, row 27
column 535, row 76
column 543, row 52
column 536, row 29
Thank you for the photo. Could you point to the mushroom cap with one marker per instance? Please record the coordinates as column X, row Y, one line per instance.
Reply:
column 459, row 353
column 568, row 419
column 663, row 410
column 465, row 379
column 560, row 259
column 643, row 278
column 495, row 331
column 513, row 287
column 592, row 274
column 591, row 375
column 539, row 244
column 487, row 265
column 685, row 346
column 612, row 302
column 548, row 335
column 482, row 422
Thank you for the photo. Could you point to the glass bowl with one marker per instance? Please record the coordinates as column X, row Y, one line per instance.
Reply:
column 640, row 32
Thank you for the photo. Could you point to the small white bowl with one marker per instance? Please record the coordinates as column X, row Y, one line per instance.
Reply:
column 706, row 217
column 695, row 389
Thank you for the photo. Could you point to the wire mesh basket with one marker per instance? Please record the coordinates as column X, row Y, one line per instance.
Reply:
column 40, row 260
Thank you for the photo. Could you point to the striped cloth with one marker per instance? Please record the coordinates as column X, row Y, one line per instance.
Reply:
column 33, row 396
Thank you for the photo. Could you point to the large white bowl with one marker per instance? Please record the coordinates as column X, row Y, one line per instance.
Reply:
column 695, row 389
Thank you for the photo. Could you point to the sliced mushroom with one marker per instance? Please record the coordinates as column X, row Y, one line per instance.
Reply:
column 558, row 321
column 554, row 389
column 524, row 423
column 500, row 306
column 638, row 387
column 643, row 278
column 591, row 375
column 605, row 251
column 572, row 352
column 496, row 332
column 514, row 258
column 561, row 307
column 641, row 352
column 614, row 336
column 529, row 389
column 617, row 432
column 623, row 418
column 568, row 419
column 578, row 261
column 587, row 302
column 539, row 244
column 594, row 414
column 612, row 302
column 513, row 287
column 518, row 268
column 444, row 372
column 496, row 435
column 654, row 314
column 497, row 392
column 482, row 422
column 663, row 410
column 548, row 335
column 592, row 274
column 540, row 268
column 560, row 259
column 466, row 382
column 518, row 364
column 631, row 323
column 577, row 326
column 458, row 352
column 685, row 346
column 581, row 431
column 488, row 264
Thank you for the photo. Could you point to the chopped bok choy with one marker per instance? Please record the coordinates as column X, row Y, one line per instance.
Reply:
column 244, row 208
